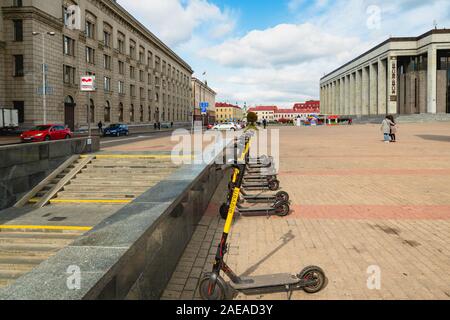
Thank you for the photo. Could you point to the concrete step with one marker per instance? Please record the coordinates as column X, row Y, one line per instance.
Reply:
column 133, row 165
column 11, row 274
column 35, row 241
column 27, row 260
column 18, row 248
column 101, row 187
column 102, row 184
column 41, row 235
column 5, row 282
column 115, row 179
column 147, row 171
column 97, row 195
column 18, row 267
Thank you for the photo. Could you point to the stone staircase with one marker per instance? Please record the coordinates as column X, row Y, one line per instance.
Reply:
column 21, row 251
column 420, row 118
column 114, row 180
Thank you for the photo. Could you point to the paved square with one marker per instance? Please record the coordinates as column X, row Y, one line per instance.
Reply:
column 356, row 203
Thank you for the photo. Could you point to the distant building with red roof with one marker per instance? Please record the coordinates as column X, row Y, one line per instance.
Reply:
column 273, row 113
column 226, row 112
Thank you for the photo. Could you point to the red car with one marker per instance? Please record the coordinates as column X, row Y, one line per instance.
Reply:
column 46, row 133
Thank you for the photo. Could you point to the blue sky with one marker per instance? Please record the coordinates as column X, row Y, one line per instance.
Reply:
column 275, row 52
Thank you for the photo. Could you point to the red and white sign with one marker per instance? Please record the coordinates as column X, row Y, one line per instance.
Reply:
column 87, row 83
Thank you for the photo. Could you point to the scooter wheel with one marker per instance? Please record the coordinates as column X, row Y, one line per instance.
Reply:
column 224, row 211
column 313, row 273
column 282, row 209
column 274, row 185
column 217, row 293
column 282, row 196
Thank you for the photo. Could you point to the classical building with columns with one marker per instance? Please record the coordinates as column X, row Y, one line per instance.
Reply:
column 400, row 76
column 139, row 79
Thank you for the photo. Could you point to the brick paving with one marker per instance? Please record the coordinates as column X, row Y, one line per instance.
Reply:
column 356, row 202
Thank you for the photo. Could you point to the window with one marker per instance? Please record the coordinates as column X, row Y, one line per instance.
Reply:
column 107, row 112
column 20, row 106
column 132, row 91
column 132, row 49
column 141, row 75
column 120, row 112
column 150, row 59
column 121, row 67
column 18, row 66
column 107, row 39
column 90, row 29
column 107, row 84
column 142, row 93
column 107, row 62
column 69, row 74
column 90, row 55
column 17, row 3
column 132, row 72
column 121, row 87
column 132, row 113
column 142, row 55
column 18, row 30
column 121, row 43
column 69, row 46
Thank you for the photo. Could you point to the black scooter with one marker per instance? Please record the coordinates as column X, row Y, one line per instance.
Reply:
column 213, row 287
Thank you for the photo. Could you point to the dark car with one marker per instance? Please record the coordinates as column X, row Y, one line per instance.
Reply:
column 116, row 130
column 46, row 132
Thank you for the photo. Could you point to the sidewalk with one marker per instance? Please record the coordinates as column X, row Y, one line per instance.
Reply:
column 356, row 203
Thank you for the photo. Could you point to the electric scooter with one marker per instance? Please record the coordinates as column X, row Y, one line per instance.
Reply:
column 213, row 287
column 263, row 198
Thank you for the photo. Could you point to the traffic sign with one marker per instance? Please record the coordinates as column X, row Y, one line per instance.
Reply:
column 204, row 107
column 87, row 83
column 48, row 91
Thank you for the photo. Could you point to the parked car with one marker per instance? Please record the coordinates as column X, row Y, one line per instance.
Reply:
column 116, row 130
column 226, row 127
column 46, row 133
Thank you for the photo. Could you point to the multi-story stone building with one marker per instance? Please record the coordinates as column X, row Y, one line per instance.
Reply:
column 201, row 92
column 399, row 76
column 139, row 79
column 226, row 112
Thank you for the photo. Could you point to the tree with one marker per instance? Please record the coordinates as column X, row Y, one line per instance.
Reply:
column 252, row 118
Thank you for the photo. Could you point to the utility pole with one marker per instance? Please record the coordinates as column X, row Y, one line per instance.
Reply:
column 44, row 73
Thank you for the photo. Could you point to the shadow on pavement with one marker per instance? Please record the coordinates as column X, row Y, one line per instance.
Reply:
column 434, row 137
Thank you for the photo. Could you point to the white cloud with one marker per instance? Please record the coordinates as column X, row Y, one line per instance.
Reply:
column 175, row 21
column 285, row 44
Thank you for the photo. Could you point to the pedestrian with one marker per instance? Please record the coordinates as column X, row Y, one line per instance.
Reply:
column 386, row 128
column 171, row 124
column 265, row 123
column 159, row 126
column 155, row 126
column 100, row 127
column 394, row 129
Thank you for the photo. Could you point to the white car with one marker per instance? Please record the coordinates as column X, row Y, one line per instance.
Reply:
column 226, row 127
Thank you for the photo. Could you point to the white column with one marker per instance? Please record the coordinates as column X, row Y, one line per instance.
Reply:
column 342, row 103
column 333, row 101
column 358, row 92
column 347, row 95
column 382, row 98
column 365, row 92
column 432, row 83
column 352, row 94
column 392, row 85
column 373, row 90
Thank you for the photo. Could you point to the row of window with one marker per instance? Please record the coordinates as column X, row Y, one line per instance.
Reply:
column 90, row 32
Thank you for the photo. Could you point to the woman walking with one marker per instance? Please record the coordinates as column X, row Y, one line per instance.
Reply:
column 393, row 129
column 386, row 128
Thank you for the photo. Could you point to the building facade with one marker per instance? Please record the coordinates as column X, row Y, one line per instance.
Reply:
column 202, row 93
column 300, row 110
column 228, row 113
column 264, row 112
column 400, row 76
column 308, row 107
column 139, row 79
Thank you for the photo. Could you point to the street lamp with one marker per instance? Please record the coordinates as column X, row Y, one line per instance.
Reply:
column 44, row 73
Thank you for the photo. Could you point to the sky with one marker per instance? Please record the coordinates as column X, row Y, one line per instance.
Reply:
column 274, row 52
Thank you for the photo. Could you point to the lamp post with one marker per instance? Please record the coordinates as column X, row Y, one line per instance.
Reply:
column 44, row 72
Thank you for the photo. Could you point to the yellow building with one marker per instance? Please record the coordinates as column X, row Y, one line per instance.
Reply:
column 228, row 113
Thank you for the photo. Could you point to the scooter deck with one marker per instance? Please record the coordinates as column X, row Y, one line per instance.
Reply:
column 272, row 280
